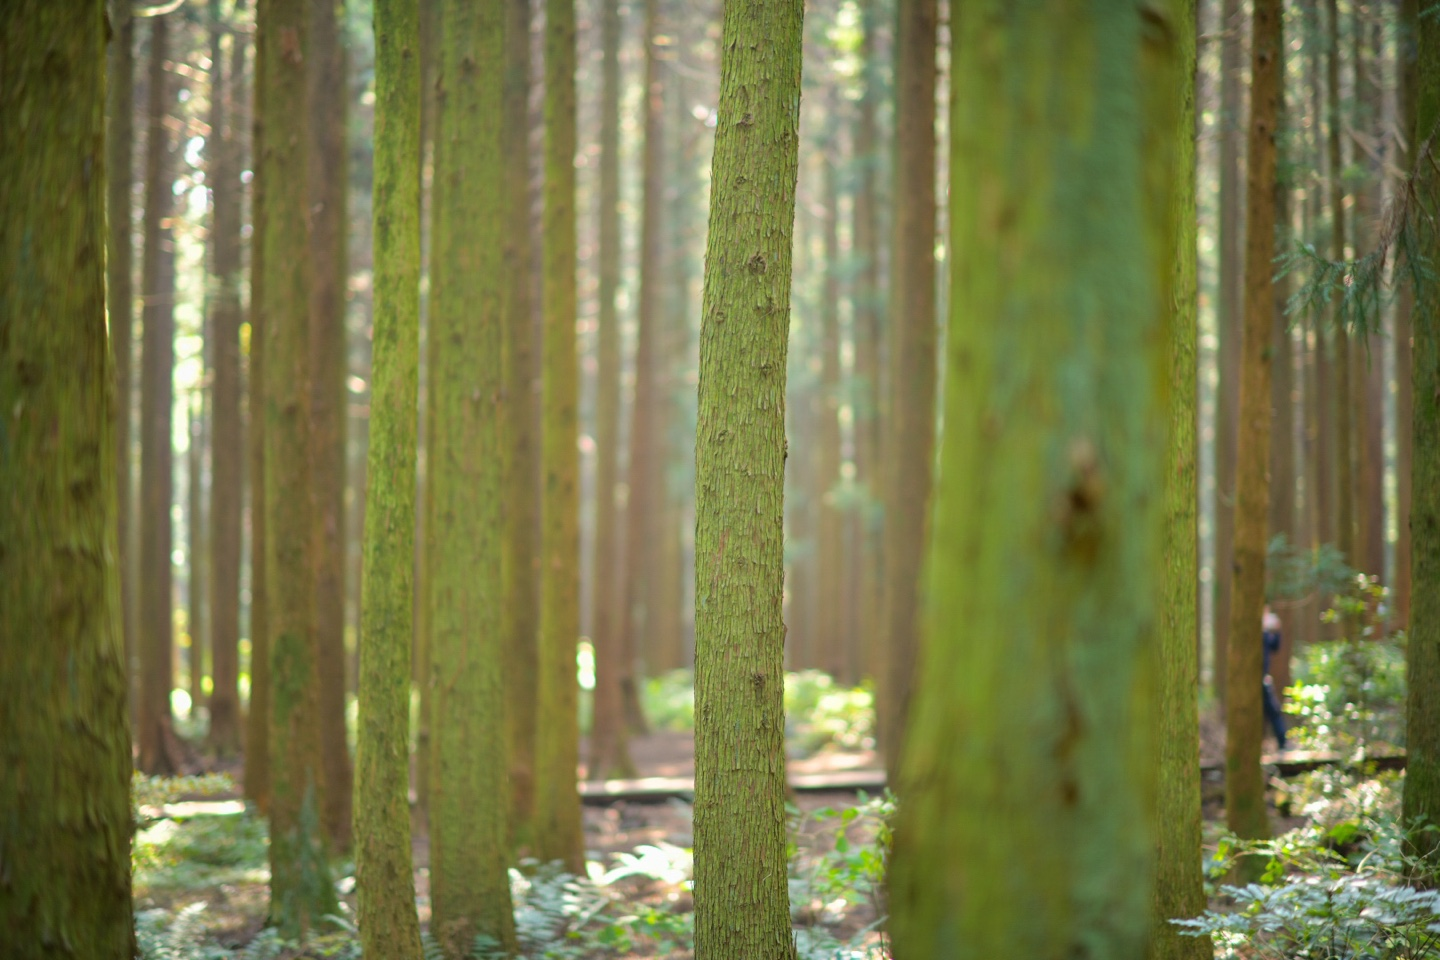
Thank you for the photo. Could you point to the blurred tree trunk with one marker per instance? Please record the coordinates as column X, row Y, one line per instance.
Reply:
column 1344, row 409
column 1406, row 46
column 1046, row 559
column 385, row 885
column 609, row 734
column 226, row 463
column 559, row 834
column 159, row 748
column 1281, row 518
column 1244, row 722
column 742, row 903
column 328, row 225
column 65, row 760
column 301, row 893
column 1366, row 363
column 469, row 799
column 910, row 445
column 197, row 614
column 830, row 537
column 520, row 607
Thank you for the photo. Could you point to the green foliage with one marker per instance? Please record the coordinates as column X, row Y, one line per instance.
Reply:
column 200, row 852
column 669, row 700
column 148, row 792
column 853, row 845
column 1293, row 572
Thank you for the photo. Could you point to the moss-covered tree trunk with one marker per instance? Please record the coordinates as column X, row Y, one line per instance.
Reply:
column 1179, row 882
column 469, row 799
column 389, row 926
column 1244, row 780
column 910, row 445
column 1422, row 657
column 65, row 752
column 1031, row 834
column 609, row 736
column 120, row 305
column 520, row 609
column 558, row 832
column 328, row 182
column 155, row 736
column 742, row 901
column 227, row 451
column 301, row 892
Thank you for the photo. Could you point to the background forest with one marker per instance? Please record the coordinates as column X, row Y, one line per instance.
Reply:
column 770, row 479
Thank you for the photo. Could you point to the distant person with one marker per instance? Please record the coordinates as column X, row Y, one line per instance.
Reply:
column 1270, row 635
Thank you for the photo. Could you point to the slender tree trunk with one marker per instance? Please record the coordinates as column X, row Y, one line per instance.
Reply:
column 120, row 305
column 558, row 831
column 301, row 893
column 328, row 179
column 1366, row 361
column 389, row 926
column 1407, row 43
column 1344, row 405
column 226, row 463
column 159, row 750
column 65, row 762
column 197, row 613
column 1244, row 780
column 1281, row 519
column 830, row 540
column 1230, row 322
column 469, row 802
column 520, row 611
column 609, row 735
column 1045, row 586
column 742, row 903
column 1422, row 655
column 910, row 448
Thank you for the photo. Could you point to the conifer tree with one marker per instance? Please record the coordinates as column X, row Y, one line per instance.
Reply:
column 385, row 883
column 1030, row 835
column 741, row 893
column 65, row 751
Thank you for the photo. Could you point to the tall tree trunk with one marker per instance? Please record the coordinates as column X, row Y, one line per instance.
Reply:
column 1344, row 406
column 469, row 802
column 226, row 463
column 159, row 750
column 1366, row 363
column 742, row 903
column 1244, row 780
column 1230, row 322
column 1422, row 654
column 1179, row 881
column 910, row 448
column 120, row 305
column 1044, row 571
column 830, row 539
column 301, row 894
column 65, row 761
column 1281, row 518
column 609, row 734
column 197, row 614
column 328, row 181
column 558, row 831
column 385, row 885
column 520, row 609
column 1407, row 43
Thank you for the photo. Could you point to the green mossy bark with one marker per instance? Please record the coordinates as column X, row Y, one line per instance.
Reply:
column 609, row 736
column 301, row 891
column 469, row 796
column 1244, row 779
column 520, row 609
column 742, row 902
column 1422, row 658
column 558, row 831
column 65, row 752
column 1028, row 774
column 389, row 926
column 1179, row 882
column 910, row 444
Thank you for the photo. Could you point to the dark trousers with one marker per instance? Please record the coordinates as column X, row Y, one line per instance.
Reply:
column 1273, row 716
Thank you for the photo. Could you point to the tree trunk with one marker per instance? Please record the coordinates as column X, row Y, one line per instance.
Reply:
column 65, row 762
column 327, row 99
column 742, row 903
column 389, row 926
column 159, row 749
column 558, row 831
column 1244, row 780
column 1282, row 447
column 1422, row 654
column 301, row 893
column 469, row 801
column 120, row 306
column 1045, row 588
column 197, row 613
column 830, row 539
column 1406, row 46
column 1366, row 362
column 226, row 463
column 609, row 735
column 910, row 448
column 1344, row 406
